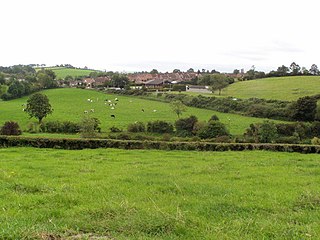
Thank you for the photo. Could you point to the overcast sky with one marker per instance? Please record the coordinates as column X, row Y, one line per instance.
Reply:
column 135, row 35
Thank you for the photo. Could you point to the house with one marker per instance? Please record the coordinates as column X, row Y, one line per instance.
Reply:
column 154, row 83
column 100, row 81
column 88, row 82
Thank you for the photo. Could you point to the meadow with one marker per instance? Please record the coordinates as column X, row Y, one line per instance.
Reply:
column 138, row 194
column 281, row 88
column 70, row 104
column 62, row 72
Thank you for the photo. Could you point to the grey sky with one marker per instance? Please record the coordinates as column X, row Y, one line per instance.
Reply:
column 128, row 35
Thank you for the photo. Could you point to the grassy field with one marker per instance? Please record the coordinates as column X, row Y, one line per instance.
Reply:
column 70, row 104
column 284, row 88
column 136, row 194
column 62, row 72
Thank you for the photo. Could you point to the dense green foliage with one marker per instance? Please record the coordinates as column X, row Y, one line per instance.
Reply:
column 137, row 194
column 38, row 106
column 10, row 128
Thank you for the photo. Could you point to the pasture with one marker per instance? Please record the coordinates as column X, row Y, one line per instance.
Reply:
column 138, row 194
column 70, row 104
column 62, row 72
column 281, row 88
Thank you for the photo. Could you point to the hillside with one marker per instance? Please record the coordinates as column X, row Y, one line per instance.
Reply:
column 282, row 88
column 70, row 104
column 62, row 72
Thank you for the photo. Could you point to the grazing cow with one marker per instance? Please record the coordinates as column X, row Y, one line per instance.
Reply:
column 113, row 116
column 142, row 110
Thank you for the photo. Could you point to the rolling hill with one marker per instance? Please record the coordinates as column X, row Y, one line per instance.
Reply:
column 62, row 72
column 281, row 88
column 70, row 104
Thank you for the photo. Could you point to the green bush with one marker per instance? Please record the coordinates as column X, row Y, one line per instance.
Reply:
column 10, row 128
column 136, row 127
column 13, row 141
column 60, row 127
column 315, row 141
column 214, row 118
column 186, row 126
column 89, row 127
column 115, row 129
column 212, row 130
column 159, row 127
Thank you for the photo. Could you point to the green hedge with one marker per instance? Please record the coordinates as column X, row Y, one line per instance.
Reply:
column 13, row 141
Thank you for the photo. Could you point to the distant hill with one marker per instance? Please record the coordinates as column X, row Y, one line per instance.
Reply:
column 282, row 88
column 62, row 72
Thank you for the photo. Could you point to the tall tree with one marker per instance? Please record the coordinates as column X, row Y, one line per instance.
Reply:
column 38, row 106
column 178, row 107
column 295, row 69
column 314, row 70
column 304, row 109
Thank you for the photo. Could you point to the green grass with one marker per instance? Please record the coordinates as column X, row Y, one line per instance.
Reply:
column 282, row 88
column 70, row 104
column 137, row 194
column 62, row 72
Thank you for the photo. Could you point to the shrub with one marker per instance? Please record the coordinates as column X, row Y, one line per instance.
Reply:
column 186, row 125
column 89, row 127
column 212, row 130
column 115, row 129
column 315, row 141
column 136, row 127
column 159, row 127
column 10, row 128
column 214, row 118
column 60, row 127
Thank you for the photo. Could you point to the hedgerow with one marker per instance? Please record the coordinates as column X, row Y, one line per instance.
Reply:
column 14, row 141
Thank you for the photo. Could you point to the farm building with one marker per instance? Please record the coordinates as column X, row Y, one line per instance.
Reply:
column 198, row 89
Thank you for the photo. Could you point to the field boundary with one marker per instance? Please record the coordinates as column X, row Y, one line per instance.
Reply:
column 78, row 144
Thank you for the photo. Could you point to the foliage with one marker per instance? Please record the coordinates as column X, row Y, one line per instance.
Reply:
column 265, row 132
column 186, row 125
column 178, row 107
column 213, row 129
column 60, row 127
column 304, row 109
column 10, row 128
column 115, row 129
column 214, row 118
column 38, row 106
column 315, row 141
column 159, row 126
column 89, row 127
column 136, row 127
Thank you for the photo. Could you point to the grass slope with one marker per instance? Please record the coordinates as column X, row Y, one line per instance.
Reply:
column 282, row 88
column 139, row 194
column 70, row 104
column 62, row 72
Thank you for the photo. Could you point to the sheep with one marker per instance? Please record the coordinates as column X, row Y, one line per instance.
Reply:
column 92, row 110
column 112, row 108
column 89, row 100
column 116, row 99
column 154, row 110
column 85, row 111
